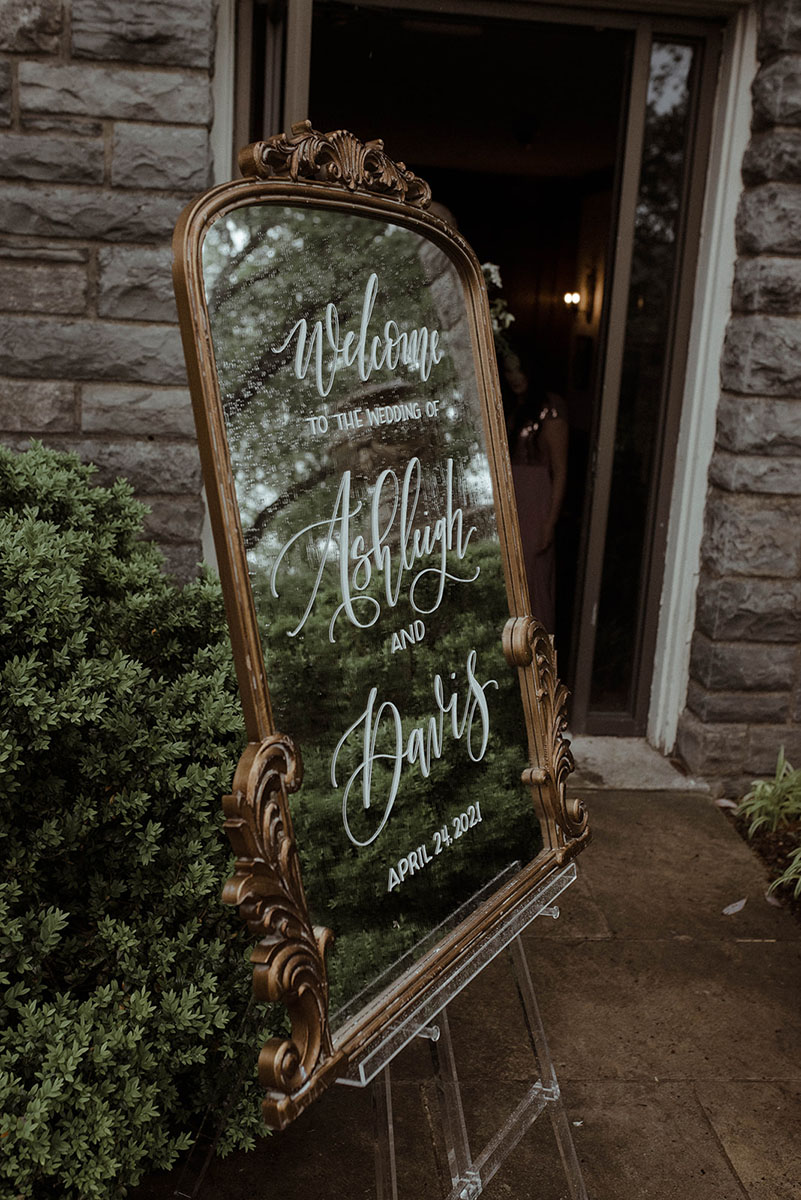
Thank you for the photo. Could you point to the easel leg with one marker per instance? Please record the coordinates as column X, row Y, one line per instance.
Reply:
column 465, row 1179
column 536, row 1032
column 386, row 1174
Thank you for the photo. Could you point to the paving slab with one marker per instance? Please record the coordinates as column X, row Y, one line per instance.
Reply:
column 326, row 1154
column 644, row 1011
column 669, row 864
column 618, row 764
column 758, row 1124
column 634, row 1141
column 581, row 917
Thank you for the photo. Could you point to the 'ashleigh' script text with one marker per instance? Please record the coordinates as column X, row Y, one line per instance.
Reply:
column 393, row 546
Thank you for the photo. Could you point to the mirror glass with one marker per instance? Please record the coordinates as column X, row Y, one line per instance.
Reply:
column 347, row 377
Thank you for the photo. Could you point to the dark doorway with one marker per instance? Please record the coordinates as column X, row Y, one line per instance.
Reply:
column 572, row 156
column 517, row 127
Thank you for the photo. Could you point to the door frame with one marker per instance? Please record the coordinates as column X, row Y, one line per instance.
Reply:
column 633, row 720
column 682, row 510
column 711, row 309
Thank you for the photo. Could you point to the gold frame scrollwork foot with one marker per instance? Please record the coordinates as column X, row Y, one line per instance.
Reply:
column 289, row 957
column 528, row 646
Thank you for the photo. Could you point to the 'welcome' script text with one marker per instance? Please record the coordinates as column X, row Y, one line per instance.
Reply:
column 416, row 350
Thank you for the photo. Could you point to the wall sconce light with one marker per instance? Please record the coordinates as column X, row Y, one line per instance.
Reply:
column 573, row 300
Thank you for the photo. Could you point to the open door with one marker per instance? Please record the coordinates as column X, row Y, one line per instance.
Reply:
column 572, row 155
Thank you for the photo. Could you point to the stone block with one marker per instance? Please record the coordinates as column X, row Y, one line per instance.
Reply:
column 136, row 284
column 171, row 468
column 30, row 25
column 32, row 287
column 137, row 411
column 777, row 93
column 37, row 406
column 182, row 559
column 5, row 93
column 743, row 666
column 769, row 219
column 60, row 160
column 758, row 474
column 712, row 749
column 762, row 356
column 115, row 92
column 161, row 156
column 145, row 31
column 759, row 425
column 765, row 610
column 773, row 156
column 745, row 535
column 56, row 212
column 48, row 349
column 768, row 285
column 779, row 27
column 20, row 442
column 35, row 250
column 764, row 743
column 732, row 786
column 727, row 707
column 175, row 518
column 72, row 126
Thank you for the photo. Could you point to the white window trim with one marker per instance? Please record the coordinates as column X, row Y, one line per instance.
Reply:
column 223, row 92
column 711, row 312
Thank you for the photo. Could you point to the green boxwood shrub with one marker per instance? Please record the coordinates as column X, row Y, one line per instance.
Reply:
column 123, row 980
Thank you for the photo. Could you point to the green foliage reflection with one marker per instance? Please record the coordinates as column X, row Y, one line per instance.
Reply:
column 376, row 570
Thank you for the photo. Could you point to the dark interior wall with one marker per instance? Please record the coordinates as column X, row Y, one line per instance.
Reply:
column 529, row 227
column 504, row 97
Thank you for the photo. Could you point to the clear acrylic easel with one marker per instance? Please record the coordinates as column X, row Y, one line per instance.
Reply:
column 469, row 1174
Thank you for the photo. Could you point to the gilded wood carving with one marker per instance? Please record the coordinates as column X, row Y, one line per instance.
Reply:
column 290, row 953
column 337, row 158
column 528, row 645
column 341, row 362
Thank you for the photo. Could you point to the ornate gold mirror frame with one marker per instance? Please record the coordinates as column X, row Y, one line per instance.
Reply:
column 336, row 173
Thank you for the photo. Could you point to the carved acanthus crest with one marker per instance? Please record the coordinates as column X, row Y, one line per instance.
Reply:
column 289, row 956
column 337, row 158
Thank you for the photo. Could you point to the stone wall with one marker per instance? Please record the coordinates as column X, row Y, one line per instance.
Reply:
column 744, row 698
column 105, row 110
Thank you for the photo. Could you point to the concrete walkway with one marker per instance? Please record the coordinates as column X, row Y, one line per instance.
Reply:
column 621, row 764
column 675, row 1030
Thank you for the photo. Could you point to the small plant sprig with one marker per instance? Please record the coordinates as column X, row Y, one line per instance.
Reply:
column 773, row 802
column 776, row 804
column 791, row 876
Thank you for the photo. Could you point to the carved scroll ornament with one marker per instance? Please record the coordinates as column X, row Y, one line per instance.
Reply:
column 337, row 158
column 565, row 821
column 290, row 953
